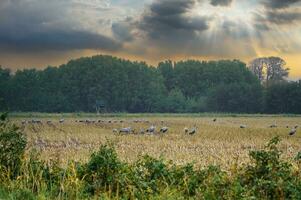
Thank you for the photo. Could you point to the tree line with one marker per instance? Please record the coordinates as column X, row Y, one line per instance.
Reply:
column 109, row 84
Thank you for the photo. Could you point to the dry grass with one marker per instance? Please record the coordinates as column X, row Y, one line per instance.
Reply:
column 221, row 142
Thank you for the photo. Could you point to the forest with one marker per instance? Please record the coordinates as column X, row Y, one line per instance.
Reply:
column 109, row 84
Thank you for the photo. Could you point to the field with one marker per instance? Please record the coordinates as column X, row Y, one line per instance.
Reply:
column 222, row 142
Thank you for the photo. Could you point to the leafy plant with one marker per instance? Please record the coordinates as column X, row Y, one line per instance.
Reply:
column 105, row 172
column 268, row 176
column 12, row 147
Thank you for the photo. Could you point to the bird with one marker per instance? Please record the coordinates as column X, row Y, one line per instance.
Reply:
column 214, row 119
column 293, row 131
column 186, row 130
column 62, row 121
column 125, row 130
column 151, row 129
column 164, row 129
column 192, row 131
column 273, row 125
column 242, row 126
column 36, row 121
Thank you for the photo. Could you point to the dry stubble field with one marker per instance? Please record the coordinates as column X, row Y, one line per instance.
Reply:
column 222, row 142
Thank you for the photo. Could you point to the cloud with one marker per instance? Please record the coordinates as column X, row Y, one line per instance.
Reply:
column 149, row 29
column 170, row 7
column 221, row 2
column 279, row 4
column 169, row 20
column 283, row 17
column 266, row 20
column 40, row 25
column 172, row 27
column 235, row 29
column 122, row 30
column 56, row 40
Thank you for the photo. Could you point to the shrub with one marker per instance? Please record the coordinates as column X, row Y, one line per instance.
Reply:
column 105, row 172
column 149, row 176
column 270, row 177
column 12, row 147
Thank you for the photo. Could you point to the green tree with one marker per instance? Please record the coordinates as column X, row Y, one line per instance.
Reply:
column 236, row 98
column 269, row 70
column 4, row 88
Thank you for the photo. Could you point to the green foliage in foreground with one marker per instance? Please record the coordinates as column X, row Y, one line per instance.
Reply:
column 105, row 176
column 12, row 147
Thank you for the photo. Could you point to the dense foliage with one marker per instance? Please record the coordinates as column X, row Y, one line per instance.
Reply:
column 12, row 147
column 105, row 176
column 109, row 84
column 284, row 98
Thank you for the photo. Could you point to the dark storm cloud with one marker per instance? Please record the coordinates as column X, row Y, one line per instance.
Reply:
column 171, row 7
column 283, row 17
column 168, row 19
column 172, row 27
column 221, row 2
column 56, row 40
column 277, row 12
column 122, row 30
column 278, row 4
column 41, row 25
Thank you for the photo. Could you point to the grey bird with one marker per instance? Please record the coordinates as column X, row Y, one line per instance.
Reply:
column 192, row 131
column 242, row 126
column 125, row 130
column 293, row 131
column 151, row 129
column 164, row 129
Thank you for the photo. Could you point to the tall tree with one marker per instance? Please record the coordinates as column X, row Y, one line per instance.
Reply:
column 269, row 70
column 4, row 88
column 167, row 71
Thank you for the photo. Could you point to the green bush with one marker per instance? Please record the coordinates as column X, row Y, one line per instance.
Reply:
column 12, row 147
column 105, row 172
column 270, row 177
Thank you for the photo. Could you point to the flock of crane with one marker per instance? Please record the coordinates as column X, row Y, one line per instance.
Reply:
column 150, row 130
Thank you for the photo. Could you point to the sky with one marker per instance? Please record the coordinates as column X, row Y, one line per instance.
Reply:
column 39, row 33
